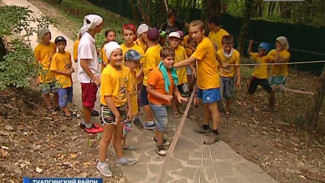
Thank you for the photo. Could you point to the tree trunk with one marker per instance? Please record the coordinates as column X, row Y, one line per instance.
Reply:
column 312, row 118
column 3, row 50
column 245, row 25
column 133, row 7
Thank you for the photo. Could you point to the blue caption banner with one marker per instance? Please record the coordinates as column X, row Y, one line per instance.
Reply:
column 62, row 180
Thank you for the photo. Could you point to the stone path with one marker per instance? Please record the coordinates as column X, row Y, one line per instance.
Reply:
column 192, row 162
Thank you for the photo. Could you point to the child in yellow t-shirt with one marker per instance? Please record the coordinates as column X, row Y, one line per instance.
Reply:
column 129, row 35
column 259, row 76
column 132, row 59
column 151, row 60
column 281, row 54
column 43, row 54
column 62, row 67
column 115, row 106
column 207, row 81
column 180, row 54
column 142, row 36
column 161, row 88
column 110, row 35
column 228, row 59
column 216, row 32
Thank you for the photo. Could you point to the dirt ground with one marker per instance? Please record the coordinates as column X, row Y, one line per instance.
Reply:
column 275, row 141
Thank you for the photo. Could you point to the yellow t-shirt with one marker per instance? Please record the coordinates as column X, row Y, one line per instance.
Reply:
column 207, row 75
column 229, row 70
column 151, row 60
column 180, row 55
column 260, row 71
column 142, row 45
column 62, row 62
column 115, row 83
column 43, row 55
column 134, row 93
column 279, row 70
column 75, row 50
column 216, row 37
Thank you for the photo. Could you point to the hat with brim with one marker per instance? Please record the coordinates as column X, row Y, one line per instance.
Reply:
column 174, row 34
column 133, row 55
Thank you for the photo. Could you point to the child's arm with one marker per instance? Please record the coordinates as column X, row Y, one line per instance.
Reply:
column 152, row 91
column 67, row 72
column 218, row 59
column 238, row 76
column 250, row 45
column 111, row 106
column 185, row 62
column 140, row 73
column 179, row 97
column 84, row 63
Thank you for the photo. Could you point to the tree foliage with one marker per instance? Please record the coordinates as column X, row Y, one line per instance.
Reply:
column 19, row 63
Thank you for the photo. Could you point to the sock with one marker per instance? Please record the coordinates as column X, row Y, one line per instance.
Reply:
column 121, row 160
column 216, row 132
column 88, row 125
column 205, row 127
column 150, row 122
column 83, row 122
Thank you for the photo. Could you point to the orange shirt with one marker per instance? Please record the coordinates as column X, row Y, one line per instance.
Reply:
column 156, row 80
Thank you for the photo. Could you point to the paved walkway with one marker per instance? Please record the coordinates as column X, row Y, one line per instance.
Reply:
column 192, row 162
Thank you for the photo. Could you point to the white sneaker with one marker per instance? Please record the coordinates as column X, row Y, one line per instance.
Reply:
column 104, row 170
column 124, row 161
column 161, row 151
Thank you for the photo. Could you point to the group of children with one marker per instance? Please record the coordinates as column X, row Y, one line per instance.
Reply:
column 140, row 72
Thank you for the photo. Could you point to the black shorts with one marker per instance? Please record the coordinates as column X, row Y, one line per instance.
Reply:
column 255, row 82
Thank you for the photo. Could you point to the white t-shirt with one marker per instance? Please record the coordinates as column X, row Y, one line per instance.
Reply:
column 87, row 50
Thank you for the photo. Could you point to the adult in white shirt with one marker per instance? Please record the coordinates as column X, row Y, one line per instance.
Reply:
column 89, row 69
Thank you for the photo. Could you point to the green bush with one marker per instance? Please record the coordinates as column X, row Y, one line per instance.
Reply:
column 18, row 66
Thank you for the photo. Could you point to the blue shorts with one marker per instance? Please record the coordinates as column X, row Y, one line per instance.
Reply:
column 209, row 95
column 161, row 114
column 65, row 96
column 144, row 96
column 278, row 80
column 48, row 88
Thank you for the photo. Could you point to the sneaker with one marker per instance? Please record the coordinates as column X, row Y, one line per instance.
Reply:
column 124, row 161
column 200, row 130
column 166, row 141
column 94, row 112
column 149, row 126
column 104, row 170
column 210, row 138
column 161, row 151
column 95, row 128
column 138, row 123
column 83, row 126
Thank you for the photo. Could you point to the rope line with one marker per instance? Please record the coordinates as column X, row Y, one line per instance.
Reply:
column 282, row 63
column 202, row 161
column 214, row 170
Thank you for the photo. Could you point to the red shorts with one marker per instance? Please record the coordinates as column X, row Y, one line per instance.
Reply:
column 89, row 92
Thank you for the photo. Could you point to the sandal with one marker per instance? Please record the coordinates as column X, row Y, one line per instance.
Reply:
column 128, row 148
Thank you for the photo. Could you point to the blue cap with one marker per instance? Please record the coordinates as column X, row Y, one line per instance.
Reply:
column 132, row 55
column 265, row 46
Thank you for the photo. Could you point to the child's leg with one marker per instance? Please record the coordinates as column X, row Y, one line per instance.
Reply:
column 251, row 90
column 228, row 103
column 215, row 115
column 104, row 142
column 272, row 100
column 63, row 100
column 87, row 115
column 56, row 99
column 47, row 101
column 117, row 141
column 159, row 137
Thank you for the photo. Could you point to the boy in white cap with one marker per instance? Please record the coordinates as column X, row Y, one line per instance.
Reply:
column 115, row 106
column 43, row 54
column 180, row 55
column 142, row 36
column 89, row 70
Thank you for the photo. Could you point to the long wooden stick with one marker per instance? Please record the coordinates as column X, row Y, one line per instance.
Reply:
column 175, row 139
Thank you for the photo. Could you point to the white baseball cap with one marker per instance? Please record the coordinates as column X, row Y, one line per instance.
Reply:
column 174, row 34
column 142, row 28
